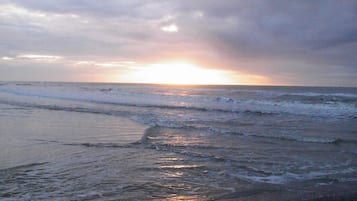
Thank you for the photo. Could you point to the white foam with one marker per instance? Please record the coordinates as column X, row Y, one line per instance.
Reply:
column 289, row 176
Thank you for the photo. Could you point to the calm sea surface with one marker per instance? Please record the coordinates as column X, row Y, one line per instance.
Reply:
column 80, row 141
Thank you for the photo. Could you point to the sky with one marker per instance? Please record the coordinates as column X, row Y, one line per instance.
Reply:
column 260, row 42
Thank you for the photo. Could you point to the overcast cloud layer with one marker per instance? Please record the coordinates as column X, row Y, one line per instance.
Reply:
column 286, row 42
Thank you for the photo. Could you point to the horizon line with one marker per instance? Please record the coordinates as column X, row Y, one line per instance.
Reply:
column 178, row 85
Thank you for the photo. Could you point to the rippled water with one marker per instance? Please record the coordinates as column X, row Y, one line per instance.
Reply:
column 78, row 141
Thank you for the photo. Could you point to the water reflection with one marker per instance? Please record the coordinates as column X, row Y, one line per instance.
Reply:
column 170, row 159
column 173, row 174
column 178, row 166
column 184, row 197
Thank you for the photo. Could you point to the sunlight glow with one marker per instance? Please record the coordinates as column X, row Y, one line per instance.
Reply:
column 178, row 73
column 7, row 58
column 170, row 28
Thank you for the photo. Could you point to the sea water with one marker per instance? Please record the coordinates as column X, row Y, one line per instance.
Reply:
column 85, row 141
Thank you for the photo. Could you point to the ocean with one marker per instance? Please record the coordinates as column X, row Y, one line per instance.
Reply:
column 92, row 141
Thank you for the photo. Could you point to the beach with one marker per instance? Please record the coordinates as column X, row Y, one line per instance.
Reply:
column 93, row 141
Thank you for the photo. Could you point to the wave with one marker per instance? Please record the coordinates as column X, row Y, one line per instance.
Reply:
column 314, row 94
column 298, row 91
column 209, row 129
column 289, row 176
column 319, row 140
column 180, row 123
column 25, row 166
column 303, row 95
column 306, row 139
column 176, row 111
column 161, row 104
column 23, row 84
column 225, row 99
column 258, row 108
column 253, row 174
column 297, row 138
column 217, row 104
column 320, row 99
column 245, row 171
column 182, row 151
column 90, row 144
column 101, row 145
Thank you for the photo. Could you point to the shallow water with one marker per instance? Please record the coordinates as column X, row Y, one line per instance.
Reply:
column 78, row 141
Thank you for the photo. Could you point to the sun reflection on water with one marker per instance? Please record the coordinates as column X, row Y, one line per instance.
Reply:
column 184, row 197
column 178, row 166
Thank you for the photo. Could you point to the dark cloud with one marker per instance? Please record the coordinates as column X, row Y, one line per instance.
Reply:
column 283, row 34
column 262, row 27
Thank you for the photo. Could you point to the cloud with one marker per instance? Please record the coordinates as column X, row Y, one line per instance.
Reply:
column 106, row 64
column 292, row 42
column 284, row 35
column 37, row 57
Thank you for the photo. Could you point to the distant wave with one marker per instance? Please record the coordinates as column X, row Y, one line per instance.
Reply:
column 321, row 99
column 128, row 101
column 281, row 91
column 228, row 108
column 217, row 104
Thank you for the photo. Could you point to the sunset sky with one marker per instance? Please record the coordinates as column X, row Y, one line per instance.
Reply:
column 196, row 42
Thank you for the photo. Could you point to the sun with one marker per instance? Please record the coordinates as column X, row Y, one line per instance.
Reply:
column 178, row 73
